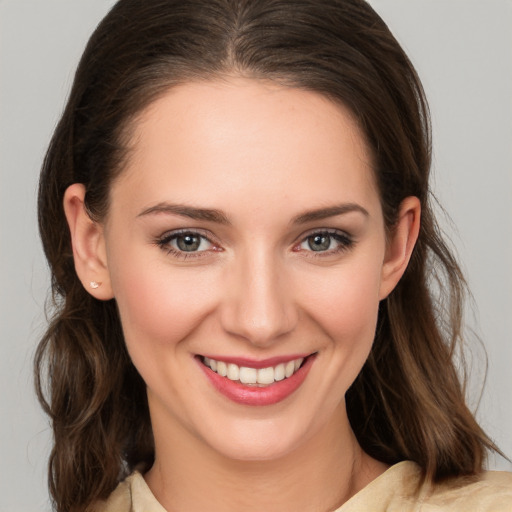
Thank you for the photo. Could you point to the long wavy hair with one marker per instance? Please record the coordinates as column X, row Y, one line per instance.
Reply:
column 408, row 402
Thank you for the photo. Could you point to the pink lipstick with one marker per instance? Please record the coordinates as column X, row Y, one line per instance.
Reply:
column 256, row 394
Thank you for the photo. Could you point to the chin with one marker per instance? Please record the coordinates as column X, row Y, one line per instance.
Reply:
column 260, row 440
column 256, row 448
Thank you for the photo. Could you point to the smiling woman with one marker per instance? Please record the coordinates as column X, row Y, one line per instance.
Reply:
column 288, row 285
column 235, row 207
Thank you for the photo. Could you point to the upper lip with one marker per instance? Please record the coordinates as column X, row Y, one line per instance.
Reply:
column 257, row 363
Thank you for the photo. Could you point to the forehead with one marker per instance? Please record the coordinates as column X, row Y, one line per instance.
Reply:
column 209, row 140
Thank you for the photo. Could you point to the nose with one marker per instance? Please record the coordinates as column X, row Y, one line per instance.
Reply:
column 258, row 303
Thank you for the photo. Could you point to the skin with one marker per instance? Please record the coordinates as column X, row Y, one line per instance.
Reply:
column 262, row 155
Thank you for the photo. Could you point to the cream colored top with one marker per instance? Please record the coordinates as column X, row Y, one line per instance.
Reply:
column 393, row 491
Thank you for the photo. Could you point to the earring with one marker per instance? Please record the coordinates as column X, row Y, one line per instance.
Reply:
column 94, row 285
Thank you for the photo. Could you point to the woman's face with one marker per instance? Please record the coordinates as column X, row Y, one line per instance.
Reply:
column 247, row 230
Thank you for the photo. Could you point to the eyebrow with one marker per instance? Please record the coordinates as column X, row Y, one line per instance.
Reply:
column 207, row 214
column 330, row 211
column 219, row 217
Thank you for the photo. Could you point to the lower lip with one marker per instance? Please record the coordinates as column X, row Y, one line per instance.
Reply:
column 254, row 395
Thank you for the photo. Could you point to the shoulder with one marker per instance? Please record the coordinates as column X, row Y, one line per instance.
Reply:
column 398, row 490
column 120, row 500
column 131, row 495
column 489, row 492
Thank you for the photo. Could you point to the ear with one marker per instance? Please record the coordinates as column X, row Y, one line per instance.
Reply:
column 88, row 245
column 400, row 245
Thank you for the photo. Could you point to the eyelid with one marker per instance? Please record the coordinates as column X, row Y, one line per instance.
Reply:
column 323, row 231
column 186, row 231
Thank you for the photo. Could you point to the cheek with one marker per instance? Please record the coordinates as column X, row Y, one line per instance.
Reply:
column 345, row 307
column 159, row 305
column 346, row 301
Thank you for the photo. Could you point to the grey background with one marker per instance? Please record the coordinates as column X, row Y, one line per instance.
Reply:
column 463, row 52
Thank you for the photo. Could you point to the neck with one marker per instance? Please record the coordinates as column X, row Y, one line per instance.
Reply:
column 319, row 476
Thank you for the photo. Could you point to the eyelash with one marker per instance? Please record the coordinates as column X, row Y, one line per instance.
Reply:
column 345, row 243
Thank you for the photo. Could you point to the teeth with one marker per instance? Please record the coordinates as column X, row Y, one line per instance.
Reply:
column 265, row 376
column 279, row 372
column 222, row 368
column 289, row 369
column 246, row 375
column 233, row 372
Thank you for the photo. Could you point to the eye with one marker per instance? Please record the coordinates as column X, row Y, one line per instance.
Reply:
column 326, row 242
column 319, row 242
column 189, row 242
column 185, row 243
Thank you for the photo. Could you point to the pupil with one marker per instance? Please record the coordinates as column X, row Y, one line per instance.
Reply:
column 319, row 242
column 188, row 243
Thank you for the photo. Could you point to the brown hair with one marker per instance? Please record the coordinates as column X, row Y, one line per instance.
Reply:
column 407, row 402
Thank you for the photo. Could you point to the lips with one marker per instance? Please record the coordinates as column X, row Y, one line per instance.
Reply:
column 256, row 382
